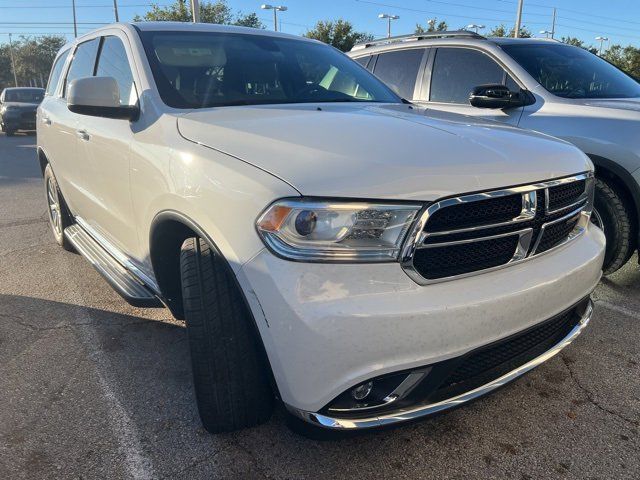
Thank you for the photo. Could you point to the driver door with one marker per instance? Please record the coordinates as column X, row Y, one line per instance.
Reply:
column 451, row 73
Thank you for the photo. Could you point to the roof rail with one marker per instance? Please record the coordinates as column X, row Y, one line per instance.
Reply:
column 417, row 36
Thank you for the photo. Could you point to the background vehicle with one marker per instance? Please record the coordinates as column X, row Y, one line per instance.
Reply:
column 536, row 84
column 313, row 231
column 18, row 108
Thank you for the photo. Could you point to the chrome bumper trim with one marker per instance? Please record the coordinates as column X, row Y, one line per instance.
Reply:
column 416, row 412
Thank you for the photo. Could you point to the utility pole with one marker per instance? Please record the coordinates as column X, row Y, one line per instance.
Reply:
column 115, row 10
column 195, row 11
column 553, row 22
column 13, row 62
column 75, row 24
column 516, row 32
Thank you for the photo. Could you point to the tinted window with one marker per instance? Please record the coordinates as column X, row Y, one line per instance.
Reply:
column 113, row 62
column 362, row 61
column 456, row 71
column 56, row 71
column 399, row 70
column 84, row 61
column 573, row 72
column 194, row 70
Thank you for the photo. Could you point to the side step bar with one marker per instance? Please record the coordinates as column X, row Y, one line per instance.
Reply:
column 122, row 281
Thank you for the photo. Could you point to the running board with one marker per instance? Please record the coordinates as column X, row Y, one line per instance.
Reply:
column 122, row 281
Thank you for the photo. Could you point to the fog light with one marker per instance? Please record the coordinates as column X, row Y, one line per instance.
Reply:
column 362, row 391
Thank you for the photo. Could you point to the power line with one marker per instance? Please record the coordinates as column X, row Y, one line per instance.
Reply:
column 430, row 12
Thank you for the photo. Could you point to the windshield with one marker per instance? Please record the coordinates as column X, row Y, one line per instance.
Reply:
column 573, row 72
column 26, row 95
column 196, row 70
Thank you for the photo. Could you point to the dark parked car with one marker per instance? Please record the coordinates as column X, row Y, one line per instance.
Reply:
column 18, row 108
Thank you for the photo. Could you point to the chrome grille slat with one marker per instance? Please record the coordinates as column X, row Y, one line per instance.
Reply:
column 530, row 226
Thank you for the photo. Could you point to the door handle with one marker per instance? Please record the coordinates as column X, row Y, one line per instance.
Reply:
column 46, row 120
column 82, row 135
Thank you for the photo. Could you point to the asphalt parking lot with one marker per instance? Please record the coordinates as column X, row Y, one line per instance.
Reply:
column 91, row 387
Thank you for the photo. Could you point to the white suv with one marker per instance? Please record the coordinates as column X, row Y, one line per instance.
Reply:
column 536, row 84
column 328, row 247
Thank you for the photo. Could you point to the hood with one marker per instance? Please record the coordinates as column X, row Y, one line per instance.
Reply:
column 631, row 104
column 384, row 152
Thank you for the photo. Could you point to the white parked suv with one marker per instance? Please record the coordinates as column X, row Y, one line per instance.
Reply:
column 536, row 84
column 330, row 249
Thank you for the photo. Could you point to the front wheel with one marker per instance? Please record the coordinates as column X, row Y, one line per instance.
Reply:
column 230, row 371
column 613, row 216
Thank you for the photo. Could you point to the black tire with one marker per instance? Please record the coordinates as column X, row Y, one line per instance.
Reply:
column 614, row 217
column 58, row 213
column 230, row 372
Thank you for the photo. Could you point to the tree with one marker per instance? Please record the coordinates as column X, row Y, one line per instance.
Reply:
column 33, row 59
column 501, row 31
column 210, row 12
column 339, row 33
column 576, row 42
column 625, row 58
column 431, row 27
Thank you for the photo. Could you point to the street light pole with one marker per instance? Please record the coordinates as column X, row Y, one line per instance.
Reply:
column 601, row 40
column 75, row 24
column 474, row 26
column 516, row 32
column 553, row 23
column 13, row 62
column 389, row 18
column 115, row 10
column 275, row 9
column 195, row 11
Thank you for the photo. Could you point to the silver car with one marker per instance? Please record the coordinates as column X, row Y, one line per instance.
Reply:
column 536, row 84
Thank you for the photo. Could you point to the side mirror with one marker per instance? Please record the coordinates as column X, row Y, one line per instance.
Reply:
column 499, row 96
column 98, row 97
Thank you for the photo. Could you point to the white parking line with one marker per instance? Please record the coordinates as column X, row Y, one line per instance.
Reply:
column 617, row 308
column 137, row 465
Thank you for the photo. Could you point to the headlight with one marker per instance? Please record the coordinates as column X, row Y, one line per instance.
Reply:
column 336, row 231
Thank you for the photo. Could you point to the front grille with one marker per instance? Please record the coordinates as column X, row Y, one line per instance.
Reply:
column 489, row 363
column 477, row 232
column 28, row 116
column 495, row 210
column 464, row 258
column 565, row 195
column 557, row 233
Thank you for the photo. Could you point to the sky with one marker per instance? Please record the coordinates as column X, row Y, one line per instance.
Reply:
column 619, row 20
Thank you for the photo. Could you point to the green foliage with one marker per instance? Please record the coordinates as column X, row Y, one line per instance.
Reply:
column 339, row 33
column 33, row 58
column 432, row 26
column 210, row 12
column 625, row 58
column 501, row 31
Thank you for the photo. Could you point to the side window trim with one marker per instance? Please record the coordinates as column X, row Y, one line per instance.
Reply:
column 429, row 69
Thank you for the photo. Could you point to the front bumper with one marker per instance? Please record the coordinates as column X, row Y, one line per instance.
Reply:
column 327, row 328
column 423, row 410
column 19, row 122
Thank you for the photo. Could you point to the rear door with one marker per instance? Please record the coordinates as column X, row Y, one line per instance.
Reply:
column 58, row 126
column 104, row 146
column 453, row 72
